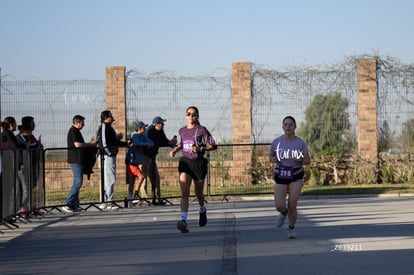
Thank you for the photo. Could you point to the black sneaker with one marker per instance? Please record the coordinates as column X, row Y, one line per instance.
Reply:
column 77, row 209
column 203, row 218
column 182, row 226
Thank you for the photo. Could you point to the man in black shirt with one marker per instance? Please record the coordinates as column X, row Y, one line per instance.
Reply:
column 77, row 158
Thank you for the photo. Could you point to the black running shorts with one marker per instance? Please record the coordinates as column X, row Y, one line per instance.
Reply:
column 196, row 168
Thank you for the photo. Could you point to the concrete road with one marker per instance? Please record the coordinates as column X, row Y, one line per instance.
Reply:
column 336, row 235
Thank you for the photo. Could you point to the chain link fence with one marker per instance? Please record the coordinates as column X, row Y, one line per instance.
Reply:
column 53, row 104
column 275, row 94
column 395, row 107
column 167, row 95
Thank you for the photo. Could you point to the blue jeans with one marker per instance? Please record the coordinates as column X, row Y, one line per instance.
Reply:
column 72, row 199
column 109, row 177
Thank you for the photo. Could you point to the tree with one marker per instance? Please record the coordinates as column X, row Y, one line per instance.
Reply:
column 384, row 137
column 407, row 135
column 326, row 126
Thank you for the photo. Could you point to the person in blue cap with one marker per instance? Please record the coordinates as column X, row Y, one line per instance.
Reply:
column 134, row 159
column 156, row 133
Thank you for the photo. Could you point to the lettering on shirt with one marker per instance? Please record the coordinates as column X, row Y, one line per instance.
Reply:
column 287, row 154
column 202, row 140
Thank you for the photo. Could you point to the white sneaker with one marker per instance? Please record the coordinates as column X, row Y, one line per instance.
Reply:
column 67, row 209
column 291, row 234
column 112, row 206
column 103, row 206
column 280, row 219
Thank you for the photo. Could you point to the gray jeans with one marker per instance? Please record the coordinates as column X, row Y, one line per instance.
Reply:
column 24, row 186
column 109, row 177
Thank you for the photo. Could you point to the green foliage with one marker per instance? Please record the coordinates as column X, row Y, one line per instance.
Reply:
column 385, row 139
column 386, row 173
column 313, row 176
column 222, row 157
column 261, row 171
column 407, row 136
column 326, row 129
column 394, row 171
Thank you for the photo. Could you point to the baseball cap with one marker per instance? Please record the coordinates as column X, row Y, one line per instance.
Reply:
column 140, row 125
column 158, row 119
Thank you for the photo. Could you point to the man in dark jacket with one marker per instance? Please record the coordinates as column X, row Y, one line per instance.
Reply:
column 109, row 142
column 156, row 133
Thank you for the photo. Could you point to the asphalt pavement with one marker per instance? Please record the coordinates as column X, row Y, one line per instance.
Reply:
column 335, row 235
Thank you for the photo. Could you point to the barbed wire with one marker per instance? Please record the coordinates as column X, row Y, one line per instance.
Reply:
column 276, row 92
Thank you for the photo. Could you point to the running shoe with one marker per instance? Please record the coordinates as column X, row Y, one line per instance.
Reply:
column 280, row 220
column 112, row 206
column 22, row 213
column 67, row 209
column 291, row 234
column 77, row 209
column 203, row 218
column 38, row 212
column 182, row 226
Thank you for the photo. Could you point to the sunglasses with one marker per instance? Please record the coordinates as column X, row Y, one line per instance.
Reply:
column 192, row 114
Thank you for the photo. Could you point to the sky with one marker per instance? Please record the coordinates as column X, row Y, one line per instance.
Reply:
column 77, row 39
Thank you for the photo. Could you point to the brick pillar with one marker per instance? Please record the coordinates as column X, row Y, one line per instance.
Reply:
column 367, row 111
column 115, row 96
column 116, row 103
column 241, row 120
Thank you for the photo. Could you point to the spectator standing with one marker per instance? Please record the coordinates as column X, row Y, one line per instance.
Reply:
column 195, row 140
column 78, row 151
column 2, row 147
column 35, row 151
column 10, row 142
column 24, row 138
column 8, row 138
column 156, row 133
column 109, row 142
column 134, row 160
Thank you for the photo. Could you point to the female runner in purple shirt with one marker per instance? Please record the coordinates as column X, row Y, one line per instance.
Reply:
column 195, row 141
column 290, row 154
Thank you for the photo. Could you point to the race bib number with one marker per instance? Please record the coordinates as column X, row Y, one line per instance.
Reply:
column 285, row 172
column 187, row 144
